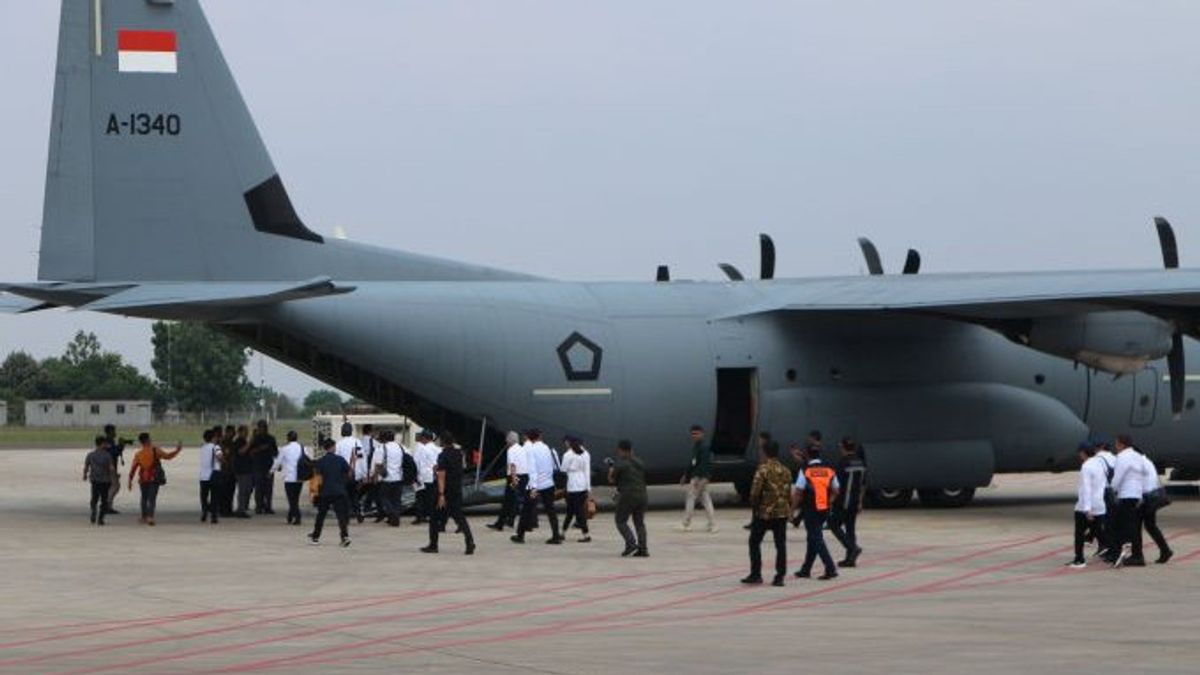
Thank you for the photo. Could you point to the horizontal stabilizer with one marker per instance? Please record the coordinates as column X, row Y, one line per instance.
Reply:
column 10, row 304
column 188, row 298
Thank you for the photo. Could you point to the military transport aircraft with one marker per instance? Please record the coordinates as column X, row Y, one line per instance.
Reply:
column 162, row 202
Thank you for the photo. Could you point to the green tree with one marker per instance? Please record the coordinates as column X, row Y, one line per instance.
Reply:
column 199, row 369
column 322, row 400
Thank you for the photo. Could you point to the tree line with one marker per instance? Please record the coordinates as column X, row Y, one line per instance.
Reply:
column 196, row 370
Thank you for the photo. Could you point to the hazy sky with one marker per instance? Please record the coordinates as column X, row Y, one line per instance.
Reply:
column 595, row 140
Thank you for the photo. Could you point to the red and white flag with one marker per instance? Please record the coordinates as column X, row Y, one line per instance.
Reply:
column 147, row 51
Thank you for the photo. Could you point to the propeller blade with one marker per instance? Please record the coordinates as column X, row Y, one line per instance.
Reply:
column 912, row 263
column 1166, row 239
column 1178, row 374
column 664, row 273
column 766, row 257
column 874, row 266
column 732, row 272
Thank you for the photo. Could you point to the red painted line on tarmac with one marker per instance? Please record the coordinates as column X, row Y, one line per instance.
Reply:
column 375, row 620
column 96, row 649
column 325, row 609
column 312, row 657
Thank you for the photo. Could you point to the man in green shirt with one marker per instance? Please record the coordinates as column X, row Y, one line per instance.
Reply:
column 696, row 479
column 629, row 475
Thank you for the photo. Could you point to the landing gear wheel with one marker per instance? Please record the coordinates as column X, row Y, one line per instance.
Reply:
column 890, row 498
column 947, row 497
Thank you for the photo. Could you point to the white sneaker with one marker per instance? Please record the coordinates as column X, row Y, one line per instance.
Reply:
column 1122, row 557
column 684, row 527
column 1077, row 565
column 713, row 529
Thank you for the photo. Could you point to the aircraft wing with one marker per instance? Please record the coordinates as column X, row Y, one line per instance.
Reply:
column 988, row 298
column 173, row 300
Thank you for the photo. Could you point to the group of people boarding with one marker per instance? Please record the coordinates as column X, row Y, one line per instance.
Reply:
column 1119, row 496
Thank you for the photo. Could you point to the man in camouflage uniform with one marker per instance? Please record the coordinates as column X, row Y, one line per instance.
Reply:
column 770, row 497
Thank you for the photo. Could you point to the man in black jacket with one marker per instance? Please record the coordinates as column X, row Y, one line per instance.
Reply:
column 852, row 475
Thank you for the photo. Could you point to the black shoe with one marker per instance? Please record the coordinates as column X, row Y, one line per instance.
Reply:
column 827, row 576
column 585, row 539
column 93, row 518
column 752, row 580
column 470, row 549
column 204, row 517
column 495, row 526
column 848, row 562
column 801, row 574
column 361, row 518
column 517, row 539
column 629, row 550
column 1162, row 559
column 345, row 543
column 746, row 526
column 100, row 522
column 854, row 556
column 777, row 581
column 112, row 512
column 429, row 549
column 1135, row 562
column 642, row 553
column 313, row 541
column 241, row 514
column 554, row 541
column 269, row 512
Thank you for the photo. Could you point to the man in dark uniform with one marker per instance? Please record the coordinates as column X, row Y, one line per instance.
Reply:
column 852, row 476
column 116, row 449
column 629, row 475
column 334, row 473
column 816, row 488
column 449, row 472
column 263, row 451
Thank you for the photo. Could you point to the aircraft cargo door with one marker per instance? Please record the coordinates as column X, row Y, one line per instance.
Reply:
column 737, row 411
column 1145, row 397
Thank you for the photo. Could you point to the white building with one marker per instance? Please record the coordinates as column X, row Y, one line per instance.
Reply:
column 124, row 414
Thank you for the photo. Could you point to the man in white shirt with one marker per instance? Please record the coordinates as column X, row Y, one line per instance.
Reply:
column 388, row 471
column 542, row 464
column 366, row 497
column 287, row 462
column 1090, row 510
column 209, row 462
column 349, row 449
column 509, row 510
column 425, row 455
column 577, row 464
column 1128, row 481
column 1153, row 499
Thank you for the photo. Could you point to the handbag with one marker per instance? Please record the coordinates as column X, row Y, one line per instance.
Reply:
column 160, row 474
column 1155, row 500
column 381, row 471
column 304, row 467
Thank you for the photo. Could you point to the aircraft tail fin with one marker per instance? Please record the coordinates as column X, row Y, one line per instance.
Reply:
column 156, row 169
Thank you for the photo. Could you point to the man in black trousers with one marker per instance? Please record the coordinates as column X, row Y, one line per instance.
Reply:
column 449, row 473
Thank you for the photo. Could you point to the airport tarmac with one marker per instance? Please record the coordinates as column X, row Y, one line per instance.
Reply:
column 979, row 589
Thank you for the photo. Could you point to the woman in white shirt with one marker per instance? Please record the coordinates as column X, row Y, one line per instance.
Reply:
column 287, row 462
column 577, row 464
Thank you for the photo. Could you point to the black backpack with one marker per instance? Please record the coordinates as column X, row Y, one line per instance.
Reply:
column 408, row 468
column 304, row 466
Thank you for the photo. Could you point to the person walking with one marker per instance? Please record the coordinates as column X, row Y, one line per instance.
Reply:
column 291, row 455
column 543, row 463
column 349, row 449
column 843, row 520
column 696, row 479
column 629, row 475
column 509, row 509
column 770, row 502
column 263, row 451
column 1129, row 480
column 1090, row 508
column 333, row 472
column 449, row 502
column 243, row 469
column 425, row 456
column 210, row 462
column 366, row 497
column 388, row 472
column 1154, row 498
column 816, row 488
column 116, row 449
column 147, row 467
column 100, row 471
column 577, row 464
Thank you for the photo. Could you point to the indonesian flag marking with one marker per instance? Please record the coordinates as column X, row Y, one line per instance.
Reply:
column 147, row 51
